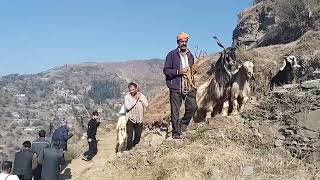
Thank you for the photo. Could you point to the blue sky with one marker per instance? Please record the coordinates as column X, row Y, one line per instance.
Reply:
column 37, row 35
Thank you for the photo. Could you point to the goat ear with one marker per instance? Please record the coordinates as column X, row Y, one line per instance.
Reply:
column 284, row 65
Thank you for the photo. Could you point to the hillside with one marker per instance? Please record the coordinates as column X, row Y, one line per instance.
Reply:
column 271, row 139
column 275, row 137
column 29, row 103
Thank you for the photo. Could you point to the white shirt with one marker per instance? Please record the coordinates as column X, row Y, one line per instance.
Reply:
column 184, row 60
column 3, row 176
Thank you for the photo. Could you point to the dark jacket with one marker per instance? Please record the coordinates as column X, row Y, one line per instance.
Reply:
column 39, row 144
column 23, row 163
column 51, row 159
column 171, row 67
column 92, row 129
column 62, row 135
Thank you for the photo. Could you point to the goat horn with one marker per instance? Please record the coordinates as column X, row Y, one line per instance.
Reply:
column 219, row 42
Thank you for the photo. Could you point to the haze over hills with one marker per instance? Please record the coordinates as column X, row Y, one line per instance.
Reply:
column 276, row 135
column 29, row 103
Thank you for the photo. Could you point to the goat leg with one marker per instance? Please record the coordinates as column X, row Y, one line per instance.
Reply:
column 225, row 108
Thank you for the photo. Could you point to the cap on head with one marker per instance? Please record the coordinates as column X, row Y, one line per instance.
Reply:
column 182, row 36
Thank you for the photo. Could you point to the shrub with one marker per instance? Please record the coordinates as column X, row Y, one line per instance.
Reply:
column 293, row 17
column 102, row 90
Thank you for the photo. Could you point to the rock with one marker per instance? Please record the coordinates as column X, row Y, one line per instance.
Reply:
column 173, row 143
column 309, row 121
column 308, row 134
column 287, row 132
column 282, row 152
column 316, row 156
column 248, row 171
column 312, row 84
column 267, row 130
column 278, row 143
column 279, row 91
column 253, row 24
column 281, row 137
column 316, row 144
column 316, row 73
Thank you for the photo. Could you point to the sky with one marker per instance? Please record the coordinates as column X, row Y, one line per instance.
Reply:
column 37, row 35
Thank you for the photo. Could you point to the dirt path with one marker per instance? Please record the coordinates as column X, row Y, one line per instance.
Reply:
column 79, row 169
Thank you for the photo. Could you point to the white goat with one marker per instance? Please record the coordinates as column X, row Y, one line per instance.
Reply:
column 121, row 132
column 240, row 88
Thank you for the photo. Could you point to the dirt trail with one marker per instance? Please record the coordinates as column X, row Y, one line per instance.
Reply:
column 78, row 169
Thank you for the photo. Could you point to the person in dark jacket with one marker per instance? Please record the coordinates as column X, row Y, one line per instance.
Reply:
column 91, row 135
column 178, row 62
column 37, row 146
column 62, row 135
column 23, row 162
column 51, row 159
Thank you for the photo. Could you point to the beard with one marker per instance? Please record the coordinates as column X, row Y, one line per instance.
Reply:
column 183, row 48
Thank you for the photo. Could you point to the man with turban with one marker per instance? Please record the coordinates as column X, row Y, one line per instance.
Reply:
column 179, row 62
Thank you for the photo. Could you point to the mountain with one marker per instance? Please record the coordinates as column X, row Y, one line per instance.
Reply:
column 29, row 103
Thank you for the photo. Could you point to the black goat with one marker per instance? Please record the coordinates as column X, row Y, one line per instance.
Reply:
column 285, row 75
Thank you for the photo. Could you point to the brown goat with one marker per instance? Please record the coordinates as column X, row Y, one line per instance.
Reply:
column 211, row 96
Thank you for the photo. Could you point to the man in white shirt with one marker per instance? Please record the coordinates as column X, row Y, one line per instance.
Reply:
column 135, row 104
column 6, row 170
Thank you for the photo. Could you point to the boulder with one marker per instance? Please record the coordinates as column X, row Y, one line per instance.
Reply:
column 312, row 84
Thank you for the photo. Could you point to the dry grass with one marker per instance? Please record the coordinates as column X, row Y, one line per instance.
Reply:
column 216, row 154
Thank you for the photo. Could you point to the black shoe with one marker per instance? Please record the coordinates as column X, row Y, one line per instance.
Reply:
column 176, row 137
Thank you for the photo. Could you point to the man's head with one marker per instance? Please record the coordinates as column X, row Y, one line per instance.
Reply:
column 65, row 124
column 26, row 144
column 6, row 166
column 133, row 88
column 182, row 41
column 95, row 115
column 42, row 133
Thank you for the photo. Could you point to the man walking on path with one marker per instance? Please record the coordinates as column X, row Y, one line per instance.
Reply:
column 91, row 135
column 6, row 171
column 61, row 135
column 37, row 146
column 23, row 162
column 51, row 159
column 135, row 103
column 179, row 62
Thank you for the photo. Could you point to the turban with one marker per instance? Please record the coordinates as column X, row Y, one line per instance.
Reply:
column 182, row 35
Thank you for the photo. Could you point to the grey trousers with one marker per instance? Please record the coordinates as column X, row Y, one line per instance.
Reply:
column 176, row 99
